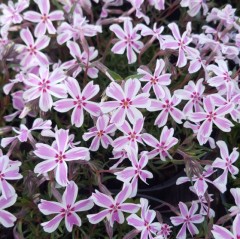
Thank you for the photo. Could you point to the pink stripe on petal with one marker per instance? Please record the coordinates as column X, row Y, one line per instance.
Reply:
column 90, row 90
column 45, row 166
column 77, row 153
column 95, row 144
column 119, row 47
column 70, row 194
column 118, row 31
column 115, row 91
column 92, row 108
column 52, row 225
column 72, row 219
column 221, row 233
column 77, row 116
column 42, row 58
column 48, row 207
column 61, row 174
column 83, row 205
column 40, row 29
column 132, row 87
column 27, row 37
column 96, row 218
column 205, row 129
column 7, row 219
column 64, row 105
column 123, row 194
column 162, row 118
column 102, row 200
column 56, row 15
column 45, row 151
column 118, row 116
column 32, row 16
column 62, row 139
column 223, row 124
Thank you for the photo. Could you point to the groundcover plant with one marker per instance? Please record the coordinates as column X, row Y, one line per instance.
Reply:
column 119, row 119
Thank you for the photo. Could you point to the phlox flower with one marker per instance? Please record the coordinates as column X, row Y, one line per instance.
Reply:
column 212, row 116
column 223, row 76
column 188, row 218
column 157, row 80
column 79, row 101
column 113, row 208
column 77, row 29
column 145, row 224
column 24, row 134
column 7, row 219
column 44, row 18
column 18, row 104
column 200, row 180
column 126, row 102
column 235, row 210
column 66, row 209
column 31, row 53
column 135, row 172
column 195, row 6
column 194, row 94
column 128, row 40
column 226, row 164
column 9, row 170
column 167, row 106
column 132, row 136
column 181, row 43
column 11, row 13
column 222, row 233
column 56, row 156
column 81, row 60
column 44, row 87
column 100, row 133
column 162, row 146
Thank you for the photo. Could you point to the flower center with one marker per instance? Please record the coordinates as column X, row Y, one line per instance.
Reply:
column 132, row 136
column 44, row 85
column 32, row 49
column 100, row 133
column 44, row 17
column 168, row 105
column 60, row 157
column 1, row 176
column 211, row 116
column 80, row 101
column 154, row 81
column 126, row 103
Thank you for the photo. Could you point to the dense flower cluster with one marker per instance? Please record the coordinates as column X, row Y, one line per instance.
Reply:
column 58, row 76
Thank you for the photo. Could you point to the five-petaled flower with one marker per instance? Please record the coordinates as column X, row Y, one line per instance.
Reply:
column 126, row 101
column 145, row 224
column 114, row 208
column 226, row 164
column 129, row 39
column 157, row 80
column 162, row 146
column 167, row 106
column 31, row 54
column 210, row 117
column 181, row 43
column 44, row 87
column 188, row 218
column 100, row 133
column 79, row 101
column 44, row 19
column 66, row 209
column 57, row 155
column 133, row 173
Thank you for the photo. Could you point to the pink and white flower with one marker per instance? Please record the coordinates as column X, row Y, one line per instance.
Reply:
column 181, row 43
column 126, row 101
column 234, row 210
column 56, row 156
column 66, row 209
column 188, row 218
column 162, row 146
column 44, row 87
column 100, row 133
column 128, row 40
column 11, row 13
column 44, row 18
column 8, row 171
column 135, row 172
column 81, row 60
column 157, row 81
column 79, row 101
column 31, row 53
column 24, row 134
column 195, row 6
column 7, row 219
column 167, row 106
column 114, row 208
column 226, row 164
column 222, row 233
column 132, row 136
column 212, row 116
column 145, row 224
column 194, row 94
